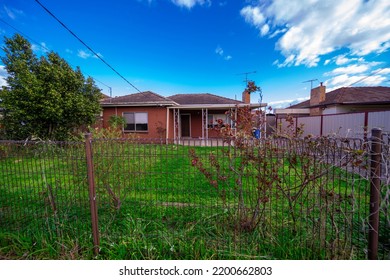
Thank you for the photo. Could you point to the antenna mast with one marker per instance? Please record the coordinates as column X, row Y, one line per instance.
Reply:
column 311, row 82
column 246, row 75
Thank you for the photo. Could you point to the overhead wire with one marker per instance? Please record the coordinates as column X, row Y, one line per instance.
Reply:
column 88, row 47
column 370, row 75
column 47, row 49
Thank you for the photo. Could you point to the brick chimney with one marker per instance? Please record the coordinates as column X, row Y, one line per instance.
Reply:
column 246, row 96
column 317, row 95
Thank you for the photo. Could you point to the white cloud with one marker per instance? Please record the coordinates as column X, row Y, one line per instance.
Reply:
column 39, row 49
column 3, row 75
column 219, row 51
column 253, row 15
column 191, row 3
column 385, row 71
column 83, row 54
column 351, row 69
column 86, row 54
column 286, row 102
column 12, row 13
column 358, row 71
column 374, row 78
column 310, row 29
column 228, row 57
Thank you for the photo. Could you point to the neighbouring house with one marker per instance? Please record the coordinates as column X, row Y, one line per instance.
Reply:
column 181, row 116
column 341, row 100
column 346, row 111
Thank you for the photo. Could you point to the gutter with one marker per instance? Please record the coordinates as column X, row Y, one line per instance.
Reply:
column 218, row 106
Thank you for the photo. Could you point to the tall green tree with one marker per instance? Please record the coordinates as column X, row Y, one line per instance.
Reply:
column 44, row 97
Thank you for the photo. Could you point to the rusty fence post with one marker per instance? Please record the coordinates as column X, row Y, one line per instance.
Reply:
column 92, row 193
column 375, row 175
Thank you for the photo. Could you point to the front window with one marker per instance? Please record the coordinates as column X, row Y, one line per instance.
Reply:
column 136, row 121
column 218, row 120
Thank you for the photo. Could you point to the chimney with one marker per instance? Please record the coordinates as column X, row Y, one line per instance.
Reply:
column 317, row 95
column 246, row 97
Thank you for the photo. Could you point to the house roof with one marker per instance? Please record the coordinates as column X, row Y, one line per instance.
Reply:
column 201, row 98
column 352, row 95
column 145, row 98
column 189, row 101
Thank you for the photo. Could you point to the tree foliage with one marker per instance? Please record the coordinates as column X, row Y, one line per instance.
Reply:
column 44, row 97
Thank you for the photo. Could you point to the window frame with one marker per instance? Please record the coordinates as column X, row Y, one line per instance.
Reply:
column 135, row 122
column 212, row 120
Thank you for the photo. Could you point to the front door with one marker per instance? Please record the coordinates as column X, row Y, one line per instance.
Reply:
column 185, row 127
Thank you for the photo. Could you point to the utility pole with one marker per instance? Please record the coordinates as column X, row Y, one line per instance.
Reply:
column 311, row 82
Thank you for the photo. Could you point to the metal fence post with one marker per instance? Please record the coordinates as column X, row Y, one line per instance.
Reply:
column 375, row 175
column 92, row 193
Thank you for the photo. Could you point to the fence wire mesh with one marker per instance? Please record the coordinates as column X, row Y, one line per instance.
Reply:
column 44, row 196
column 261, row 199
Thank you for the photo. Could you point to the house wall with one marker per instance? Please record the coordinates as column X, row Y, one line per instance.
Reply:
column 157, row 117
column 335, row 110
column 343, row 109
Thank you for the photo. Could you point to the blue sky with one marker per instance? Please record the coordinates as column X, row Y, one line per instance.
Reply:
column 198, row 46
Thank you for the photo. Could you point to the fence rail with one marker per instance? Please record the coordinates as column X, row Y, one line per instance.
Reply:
column 143, row 199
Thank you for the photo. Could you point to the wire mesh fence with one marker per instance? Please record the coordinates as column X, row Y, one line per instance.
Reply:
column 44, row 195
column 259, row 199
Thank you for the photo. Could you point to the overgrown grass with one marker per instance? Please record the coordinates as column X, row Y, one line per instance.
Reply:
column 153, row 204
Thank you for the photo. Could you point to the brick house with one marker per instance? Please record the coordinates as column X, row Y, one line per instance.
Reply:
column 182, row 116
column 346, row 112
column 340, row 101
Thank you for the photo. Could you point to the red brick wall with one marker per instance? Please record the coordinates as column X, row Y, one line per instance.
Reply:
column 157, row 116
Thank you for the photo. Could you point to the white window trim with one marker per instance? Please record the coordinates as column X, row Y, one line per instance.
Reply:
column 135, row 124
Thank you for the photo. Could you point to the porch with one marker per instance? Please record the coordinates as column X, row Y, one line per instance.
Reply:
column 195, row 124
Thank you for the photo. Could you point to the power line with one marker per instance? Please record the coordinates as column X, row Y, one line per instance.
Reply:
column 47, row 49
column 372, row 74
column 88, row 47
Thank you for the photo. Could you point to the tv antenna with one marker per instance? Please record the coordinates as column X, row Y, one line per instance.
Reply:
column 246, row 75
column 311, row 82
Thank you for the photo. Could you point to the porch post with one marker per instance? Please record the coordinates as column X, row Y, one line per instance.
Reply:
column 235, row 125
column 206, row 126
column 176, row 125
column 167, row 128
column 205, row 130
column 202, row 124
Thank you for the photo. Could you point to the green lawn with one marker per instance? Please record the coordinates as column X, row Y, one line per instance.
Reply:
column 153, row 204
